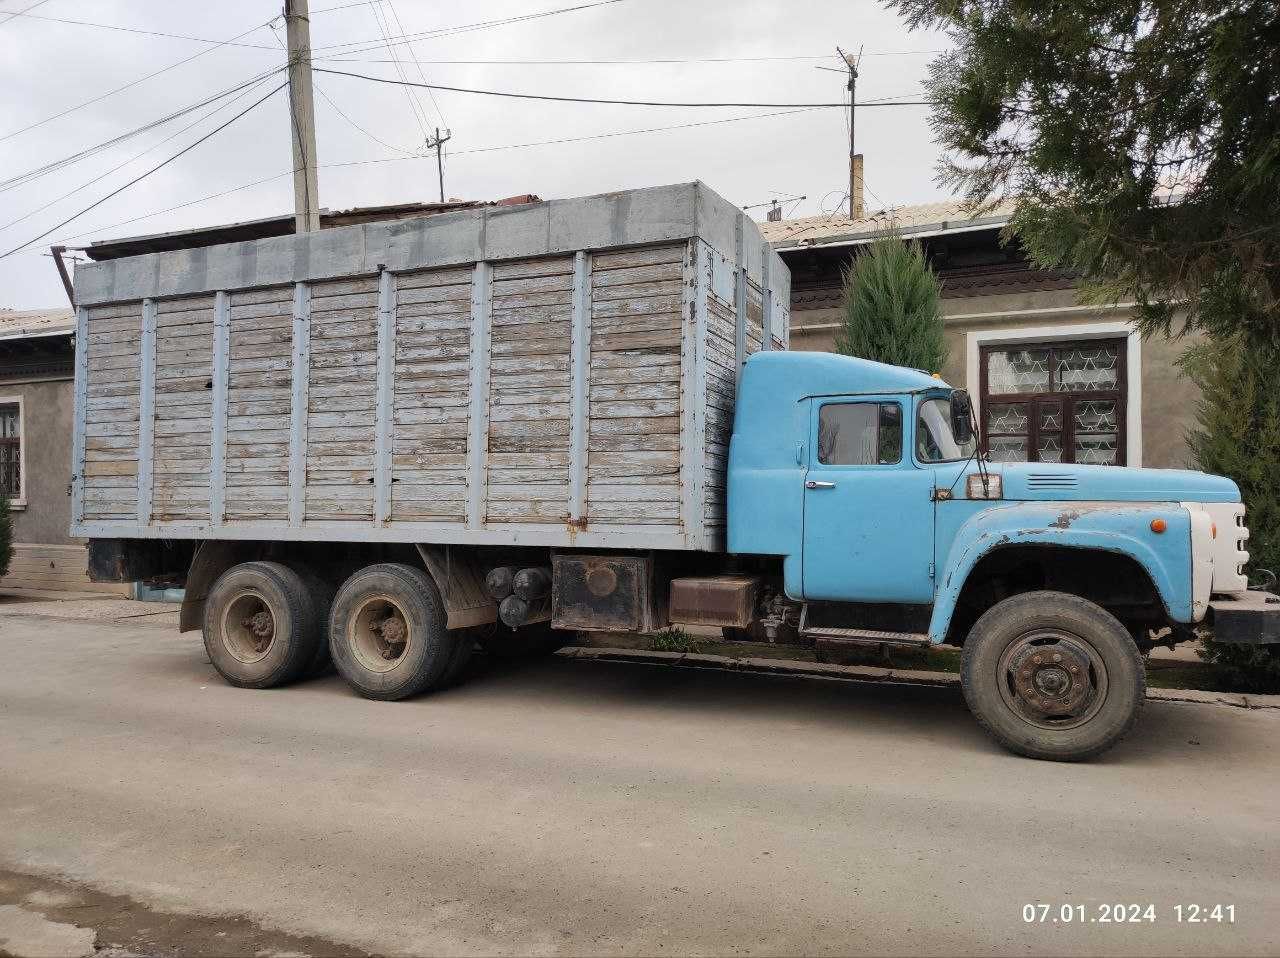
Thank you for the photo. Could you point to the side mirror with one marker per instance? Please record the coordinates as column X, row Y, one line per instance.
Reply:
column 961, row 417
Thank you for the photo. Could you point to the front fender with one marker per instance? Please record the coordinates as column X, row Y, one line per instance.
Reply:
column 1117, row 527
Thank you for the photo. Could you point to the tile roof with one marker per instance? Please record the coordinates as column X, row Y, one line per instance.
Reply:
column 926, row 219
column 29, row 323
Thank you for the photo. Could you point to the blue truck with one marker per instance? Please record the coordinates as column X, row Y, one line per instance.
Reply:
column 389, row 445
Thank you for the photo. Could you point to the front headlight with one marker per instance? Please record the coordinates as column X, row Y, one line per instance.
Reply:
column 984, row 486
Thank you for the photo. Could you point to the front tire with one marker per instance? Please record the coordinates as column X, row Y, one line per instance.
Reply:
column 387, row 632
column 1052, row 676
column 261, row 627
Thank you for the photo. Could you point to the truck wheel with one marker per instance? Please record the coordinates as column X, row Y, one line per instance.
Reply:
column 320, row 591
column 260, row 625
column 1052, row 676
column 387, row 632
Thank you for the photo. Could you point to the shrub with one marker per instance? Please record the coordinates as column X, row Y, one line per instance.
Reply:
column 6, row 537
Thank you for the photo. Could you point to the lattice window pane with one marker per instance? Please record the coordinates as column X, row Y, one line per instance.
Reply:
column 1018, row 371
column 10, row 470
column 8, row 422
column 1050, row 416
column 1098, row 449
column 1008, row 448
column 10, row 453
column 1095, row 415
column 1007, row 417
column 1088, row 368
column 1049, row 447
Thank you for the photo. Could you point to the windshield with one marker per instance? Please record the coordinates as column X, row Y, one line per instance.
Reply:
column 934, row 440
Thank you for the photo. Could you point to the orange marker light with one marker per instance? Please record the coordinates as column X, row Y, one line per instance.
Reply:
column 1213, row 530
column 1159, row 525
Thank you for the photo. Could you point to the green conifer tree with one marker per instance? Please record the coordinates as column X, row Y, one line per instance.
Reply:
column 1237, row 434
column 892, row 307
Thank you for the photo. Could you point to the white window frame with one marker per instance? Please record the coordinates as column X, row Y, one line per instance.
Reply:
column 21, row 501
column 976, row 339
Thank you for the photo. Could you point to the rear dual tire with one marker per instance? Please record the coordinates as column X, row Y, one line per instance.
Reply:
column 262, row 625
column 388, row 634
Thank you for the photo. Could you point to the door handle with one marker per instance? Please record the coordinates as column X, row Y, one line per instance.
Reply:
column 819, row 484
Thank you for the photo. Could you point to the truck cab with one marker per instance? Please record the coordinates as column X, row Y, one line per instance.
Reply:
column 866, row 480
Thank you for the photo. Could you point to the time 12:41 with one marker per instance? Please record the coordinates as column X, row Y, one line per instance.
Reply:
column 1205, row 914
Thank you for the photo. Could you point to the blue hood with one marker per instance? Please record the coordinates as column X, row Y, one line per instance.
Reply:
column 1044, row 481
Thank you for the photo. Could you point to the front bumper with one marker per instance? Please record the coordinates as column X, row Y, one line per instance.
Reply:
column 1252, row 618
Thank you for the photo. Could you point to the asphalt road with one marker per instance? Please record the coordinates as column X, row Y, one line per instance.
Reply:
column 580, row 808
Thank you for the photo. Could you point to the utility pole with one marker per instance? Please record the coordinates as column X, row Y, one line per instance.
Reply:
column 855, row 158
column 439, row 143
column 306, row 186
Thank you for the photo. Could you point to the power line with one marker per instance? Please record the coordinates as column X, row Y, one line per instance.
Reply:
column 136, row 156
column 407, row 39
column 394, row 159
column 137, row 179
column 129, row 85
column 338, row 110
column 628, row 62
column 21, row 13
column 574, row 99
column 418, row 63
column 182, row 206
column 23, row 178
column 137, row 30
column 415, row 105
column 467, row 27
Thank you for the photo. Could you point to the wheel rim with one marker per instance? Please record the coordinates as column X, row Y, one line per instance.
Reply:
column 248, row 627
column 1052, row 679
column 379, row 634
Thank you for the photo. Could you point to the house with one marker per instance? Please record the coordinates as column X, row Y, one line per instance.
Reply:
column 1052, row 380
column 37, row 395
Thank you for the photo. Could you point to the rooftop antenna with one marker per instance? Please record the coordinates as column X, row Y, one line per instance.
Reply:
column 775, row 207
column 855, row 158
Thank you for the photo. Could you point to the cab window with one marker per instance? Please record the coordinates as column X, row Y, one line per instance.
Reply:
column 934, row 440
column 860, row 434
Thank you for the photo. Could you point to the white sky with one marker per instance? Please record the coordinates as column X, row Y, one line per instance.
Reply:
column 46, row 67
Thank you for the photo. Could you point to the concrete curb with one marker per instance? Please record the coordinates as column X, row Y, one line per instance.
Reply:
column 864, row 673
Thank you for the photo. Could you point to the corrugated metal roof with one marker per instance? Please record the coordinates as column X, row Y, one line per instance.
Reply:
column 30, row 323
column 925, row 219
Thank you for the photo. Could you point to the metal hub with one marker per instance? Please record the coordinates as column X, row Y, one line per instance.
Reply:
column 1053, row 679
column 379, row 634
column 248, row 627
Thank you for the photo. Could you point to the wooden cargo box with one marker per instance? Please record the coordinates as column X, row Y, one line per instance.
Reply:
column 558, row 373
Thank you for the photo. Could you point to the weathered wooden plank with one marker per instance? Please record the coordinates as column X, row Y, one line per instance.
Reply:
column 458, row 295
column 522, row 268
column 646, row 256
column 521, row 300
column 413, row 279
column 618, row 342
column 264, row 294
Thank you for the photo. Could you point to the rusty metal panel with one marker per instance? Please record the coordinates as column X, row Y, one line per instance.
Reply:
column 602, row 593
column 724, row 600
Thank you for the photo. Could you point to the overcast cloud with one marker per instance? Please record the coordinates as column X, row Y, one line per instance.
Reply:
column 46, row 67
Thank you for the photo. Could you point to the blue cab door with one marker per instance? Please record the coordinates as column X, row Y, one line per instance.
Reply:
column 868, row 512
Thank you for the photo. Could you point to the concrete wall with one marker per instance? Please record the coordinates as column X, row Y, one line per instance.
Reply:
column 1168, row 398
column 47, row 415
